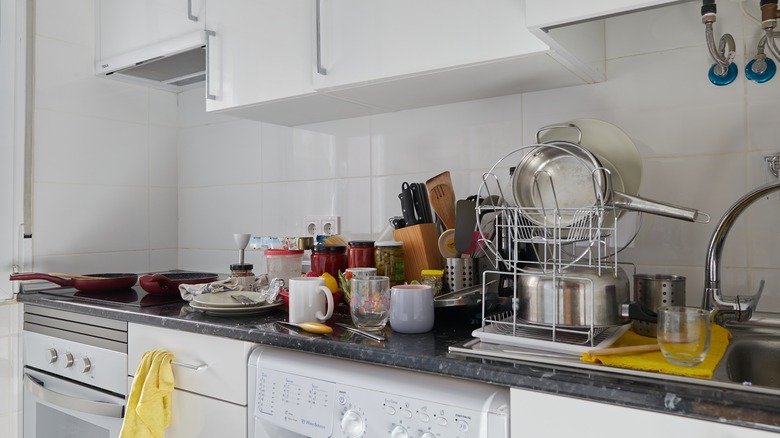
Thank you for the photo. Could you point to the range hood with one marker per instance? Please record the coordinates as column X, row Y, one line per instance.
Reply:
column 174, row 65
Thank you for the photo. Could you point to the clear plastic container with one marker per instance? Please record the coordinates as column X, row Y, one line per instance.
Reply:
column 284, row 264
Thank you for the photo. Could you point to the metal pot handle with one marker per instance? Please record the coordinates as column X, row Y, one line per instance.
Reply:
column 635, row 203
column 559, row 125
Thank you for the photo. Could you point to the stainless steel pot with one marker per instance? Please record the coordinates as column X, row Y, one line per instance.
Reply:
column 584, row 297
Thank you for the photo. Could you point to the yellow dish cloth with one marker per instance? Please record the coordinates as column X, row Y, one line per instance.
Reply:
column 654, row 361
column 149, row 404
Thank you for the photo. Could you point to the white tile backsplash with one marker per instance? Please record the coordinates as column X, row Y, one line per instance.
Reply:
column 167, row 184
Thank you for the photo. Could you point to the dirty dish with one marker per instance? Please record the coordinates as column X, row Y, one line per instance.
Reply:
column 226, row 300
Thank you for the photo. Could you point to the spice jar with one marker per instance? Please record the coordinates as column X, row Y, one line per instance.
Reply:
column 242, row 273
column 434, row 279
column 360, row 254
column 330, row 259
column 389, row 260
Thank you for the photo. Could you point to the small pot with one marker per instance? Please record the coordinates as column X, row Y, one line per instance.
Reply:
column 168, row 283
column 585, row 298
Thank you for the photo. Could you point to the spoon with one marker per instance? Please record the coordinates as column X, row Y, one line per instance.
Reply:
column 311, row 327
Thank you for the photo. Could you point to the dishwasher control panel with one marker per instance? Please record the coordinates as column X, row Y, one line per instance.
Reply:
column 298, row 394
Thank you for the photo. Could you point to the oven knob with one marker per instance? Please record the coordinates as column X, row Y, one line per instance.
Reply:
column 352, row 424
column 86, row 365
column 399, row 432
column 68, row 360
column 52, row 355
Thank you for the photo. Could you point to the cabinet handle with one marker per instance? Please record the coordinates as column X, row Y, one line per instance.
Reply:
column 209, row 35
column 200, row 367
column 103, row 409
column 320, row 68
column 189, row 12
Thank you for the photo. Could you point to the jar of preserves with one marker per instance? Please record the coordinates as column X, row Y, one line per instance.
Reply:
column 360, row 254
column 242, row 273
column 434, row 279
column 389, row 260
column 328, row 258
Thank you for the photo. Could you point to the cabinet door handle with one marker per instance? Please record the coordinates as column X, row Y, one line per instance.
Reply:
column 189, row 12
column 209, row 94
column 320, row 68
column 200, row 367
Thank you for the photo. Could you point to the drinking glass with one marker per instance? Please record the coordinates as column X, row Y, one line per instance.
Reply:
column 684, row 334
column 369, row 302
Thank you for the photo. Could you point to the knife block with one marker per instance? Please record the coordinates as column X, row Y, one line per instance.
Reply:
column 421, row 249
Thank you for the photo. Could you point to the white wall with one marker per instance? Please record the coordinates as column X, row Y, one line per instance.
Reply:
column 702, row 147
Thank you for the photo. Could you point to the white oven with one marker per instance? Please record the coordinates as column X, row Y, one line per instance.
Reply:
column 75, row 374
column 293, row 394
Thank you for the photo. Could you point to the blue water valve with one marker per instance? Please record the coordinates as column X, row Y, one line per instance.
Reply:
column 760, row 70
column 723, row 79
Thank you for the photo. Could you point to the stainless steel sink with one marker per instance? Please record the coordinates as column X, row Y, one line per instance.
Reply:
column 752, row 357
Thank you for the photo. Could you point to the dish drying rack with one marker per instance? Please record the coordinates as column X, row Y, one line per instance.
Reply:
column 544, row 241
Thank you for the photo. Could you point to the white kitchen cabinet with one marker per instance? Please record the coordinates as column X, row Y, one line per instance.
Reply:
column 210, row 377
column 261, row 61
column 400, row 54
column 126, row 26
column 536, row 414
column 544, row 13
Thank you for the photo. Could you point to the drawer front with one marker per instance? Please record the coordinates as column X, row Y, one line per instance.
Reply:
column 223, row 361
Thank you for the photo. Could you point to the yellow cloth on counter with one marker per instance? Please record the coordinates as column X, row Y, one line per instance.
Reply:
column 655, row 361
column 149, row 403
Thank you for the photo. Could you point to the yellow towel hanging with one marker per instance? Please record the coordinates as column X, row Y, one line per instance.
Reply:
column 149, row 403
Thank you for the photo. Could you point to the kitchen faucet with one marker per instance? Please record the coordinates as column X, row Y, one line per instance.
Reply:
column 740, row 307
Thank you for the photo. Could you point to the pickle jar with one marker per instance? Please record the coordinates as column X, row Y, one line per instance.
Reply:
column 389, row 260
column 360, row 254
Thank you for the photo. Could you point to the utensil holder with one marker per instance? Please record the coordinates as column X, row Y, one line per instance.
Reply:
column 421, row 249
column 459, row 273
column 656, row 291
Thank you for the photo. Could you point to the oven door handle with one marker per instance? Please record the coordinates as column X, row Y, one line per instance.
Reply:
column 102, row 409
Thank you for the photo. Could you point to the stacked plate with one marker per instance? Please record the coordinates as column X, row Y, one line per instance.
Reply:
column 231, row 303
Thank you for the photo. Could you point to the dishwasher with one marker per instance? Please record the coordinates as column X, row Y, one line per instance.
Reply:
column 294, row 394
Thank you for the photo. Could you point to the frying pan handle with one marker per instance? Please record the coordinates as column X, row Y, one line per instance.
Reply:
column 559, row 125
column 635, row 203
column 39, row 276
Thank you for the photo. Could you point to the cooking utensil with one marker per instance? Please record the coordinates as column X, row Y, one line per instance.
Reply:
column 442, row 198
column 168, row 282
column 407, row 204
column 446, row 244
column 422, row 207
column 81, row 277
column 465, row 222
column 96, row 282
column 375, row 335
column 311, row 327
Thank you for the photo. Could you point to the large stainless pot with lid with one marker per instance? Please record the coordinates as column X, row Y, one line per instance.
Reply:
column 581, row 164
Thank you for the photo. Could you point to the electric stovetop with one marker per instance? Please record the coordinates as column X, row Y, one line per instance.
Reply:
column 135, row 296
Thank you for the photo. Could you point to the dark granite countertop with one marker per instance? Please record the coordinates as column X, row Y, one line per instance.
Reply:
column 429, row 352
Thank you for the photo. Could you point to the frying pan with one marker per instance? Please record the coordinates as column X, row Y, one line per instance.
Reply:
column 102, row 282
column 168, row 283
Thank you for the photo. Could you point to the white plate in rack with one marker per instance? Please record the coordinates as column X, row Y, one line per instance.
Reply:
column 540, row 338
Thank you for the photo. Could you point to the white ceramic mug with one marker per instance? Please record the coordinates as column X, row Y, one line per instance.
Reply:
column 305, row 302
column 411, row 308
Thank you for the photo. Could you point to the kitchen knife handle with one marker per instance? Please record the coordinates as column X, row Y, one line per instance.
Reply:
column 418, row 204
column 407, row 204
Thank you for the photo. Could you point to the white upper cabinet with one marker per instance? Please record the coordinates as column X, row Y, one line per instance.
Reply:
column 260, row 63
column 400, row 54
column 546, row 13
column 126, row 26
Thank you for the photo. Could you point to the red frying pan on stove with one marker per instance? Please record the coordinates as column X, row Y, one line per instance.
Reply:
column 88, row 283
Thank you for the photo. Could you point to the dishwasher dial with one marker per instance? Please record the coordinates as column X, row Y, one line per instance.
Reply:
column 352, row 424
column 399, row 432
column 52, row 355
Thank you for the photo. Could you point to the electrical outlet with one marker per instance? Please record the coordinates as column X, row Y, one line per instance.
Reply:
column 320, row 225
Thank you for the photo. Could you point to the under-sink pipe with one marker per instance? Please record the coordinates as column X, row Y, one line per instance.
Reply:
column 769, row 15
column 724, row 71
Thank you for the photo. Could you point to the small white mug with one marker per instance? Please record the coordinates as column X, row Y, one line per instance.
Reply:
column 305, row 302
column 411, row 308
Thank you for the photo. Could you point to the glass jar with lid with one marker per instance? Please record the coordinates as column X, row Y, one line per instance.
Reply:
column 360, row 254
column 242, row 273
column 389, row 260
column 329, row 258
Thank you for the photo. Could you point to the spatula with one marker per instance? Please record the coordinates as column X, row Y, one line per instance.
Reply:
column 465, row 222
column 442, row 198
